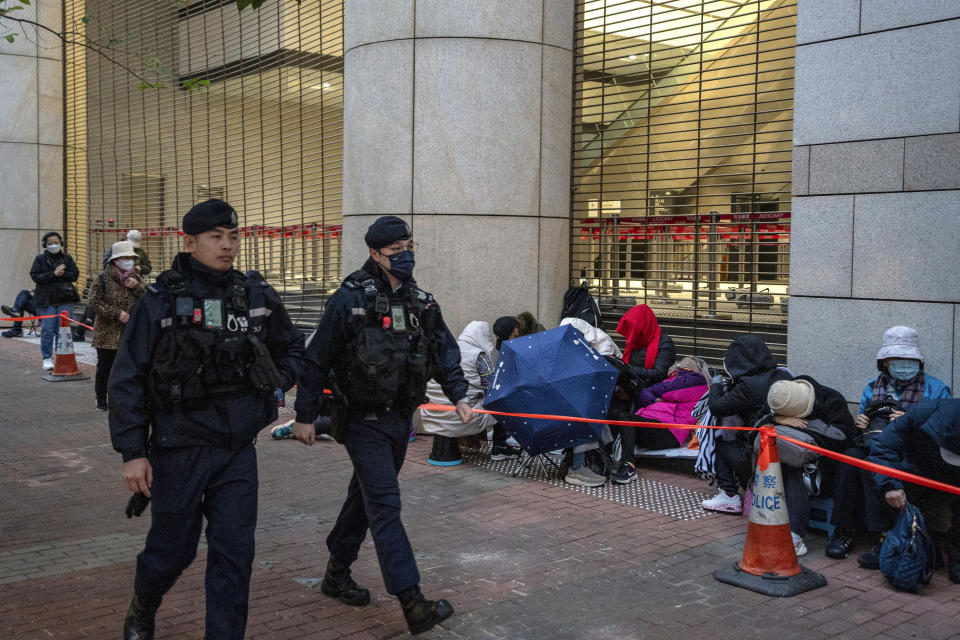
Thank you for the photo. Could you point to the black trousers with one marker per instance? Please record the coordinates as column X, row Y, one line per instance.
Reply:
column 190, row 484
column 105, row 358
column 377, row 445
column 857, row 502
column 732, row 465
column 648, row 438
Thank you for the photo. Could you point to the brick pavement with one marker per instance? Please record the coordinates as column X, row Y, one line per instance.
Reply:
column 519, row 559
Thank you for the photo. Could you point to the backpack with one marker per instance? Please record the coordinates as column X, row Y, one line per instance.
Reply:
column 578, row 303
column 907, row 554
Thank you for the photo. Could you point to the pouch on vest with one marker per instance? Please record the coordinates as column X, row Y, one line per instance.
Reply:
column 373, row 375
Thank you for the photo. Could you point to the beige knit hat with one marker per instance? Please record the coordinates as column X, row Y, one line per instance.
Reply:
column 793, row 398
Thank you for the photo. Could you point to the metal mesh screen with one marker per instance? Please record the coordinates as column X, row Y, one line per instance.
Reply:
column 175, row 102
column 683, row 117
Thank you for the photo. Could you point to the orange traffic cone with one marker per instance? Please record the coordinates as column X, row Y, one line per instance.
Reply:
column 769, row 564
column 65, row 365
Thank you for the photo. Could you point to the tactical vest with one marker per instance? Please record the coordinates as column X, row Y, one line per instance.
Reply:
column 390, row 359
column 207, row 347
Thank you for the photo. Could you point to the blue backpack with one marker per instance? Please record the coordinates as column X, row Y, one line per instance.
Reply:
column 907, row 556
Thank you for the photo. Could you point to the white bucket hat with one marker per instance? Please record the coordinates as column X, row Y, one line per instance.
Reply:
column 122, row 249
column 134, row 237
column 900, row 342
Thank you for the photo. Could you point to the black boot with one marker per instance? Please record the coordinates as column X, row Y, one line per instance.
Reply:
column 422, row 614
column 337, row 583
column 445, row 452
column 102, row 404
column 138, row 625
column 13, row 332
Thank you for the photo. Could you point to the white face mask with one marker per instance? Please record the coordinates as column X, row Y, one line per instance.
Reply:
column 125, row 265
column 53, row 248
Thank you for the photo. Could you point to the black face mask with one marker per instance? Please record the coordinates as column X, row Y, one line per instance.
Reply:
column 401, row 264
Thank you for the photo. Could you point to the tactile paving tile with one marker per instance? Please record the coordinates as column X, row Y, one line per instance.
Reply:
column 652, row 495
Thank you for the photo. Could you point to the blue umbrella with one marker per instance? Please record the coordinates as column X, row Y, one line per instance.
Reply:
column 554, row 372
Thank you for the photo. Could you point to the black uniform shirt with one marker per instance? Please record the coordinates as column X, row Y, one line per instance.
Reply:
column 341, row 321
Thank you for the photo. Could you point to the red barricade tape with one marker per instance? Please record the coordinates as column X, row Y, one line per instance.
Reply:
column 857, row 462
column 55, row 315
column 876, row 468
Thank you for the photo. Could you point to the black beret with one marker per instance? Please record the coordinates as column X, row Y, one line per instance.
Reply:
column 503, row 327
column 207, row 215
column 386, row 230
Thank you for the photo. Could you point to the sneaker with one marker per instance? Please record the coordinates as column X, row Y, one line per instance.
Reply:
column 871, row 559
column 10, row 312
column 13, row 332
column 723, row 503
column 282, row 431
column 584, row 477
column 839, row 544
column 48, row 364
column 413, row 435
column 625, row 473
column 504, row 452
column 798, row 545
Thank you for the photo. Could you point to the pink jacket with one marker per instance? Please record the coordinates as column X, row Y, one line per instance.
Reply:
column 675, row 407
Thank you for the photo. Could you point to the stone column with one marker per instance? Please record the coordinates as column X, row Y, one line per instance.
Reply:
column 876, row 184
column 31, row 142
column 457, row 117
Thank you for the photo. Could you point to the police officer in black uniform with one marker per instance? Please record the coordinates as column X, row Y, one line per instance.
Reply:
column 194, row 381
column 379, row 341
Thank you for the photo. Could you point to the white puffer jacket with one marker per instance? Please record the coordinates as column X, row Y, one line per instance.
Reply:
column 597, row 337
column 476, row 348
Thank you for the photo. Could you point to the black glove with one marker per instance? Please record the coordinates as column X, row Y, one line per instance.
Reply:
column 137, row 503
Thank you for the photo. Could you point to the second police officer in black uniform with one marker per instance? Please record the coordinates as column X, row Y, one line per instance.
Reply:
column 379, row 341
column 194, row 381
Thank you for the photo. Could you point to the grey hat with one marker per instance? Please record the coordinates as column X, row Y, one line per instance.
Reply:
column 900, row 342
column 792, row 398
column 950, row 457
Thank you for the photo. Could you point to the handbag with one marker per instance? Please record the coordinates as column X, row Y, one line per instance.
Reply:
column 906, row 555
column 827, row 436
column 66, row 293
column 790, row 454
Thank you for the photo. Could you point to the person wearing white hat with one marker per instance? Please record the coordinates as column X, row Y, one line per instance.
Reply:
column 902, row 382
column 112, row 296
column 926, row 441
column 143, row 265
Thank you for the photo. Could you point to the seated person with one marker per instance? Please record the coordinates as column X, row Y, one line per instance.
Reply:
column 22, row 304
column 752, row 369
column 669, row 401
column 902, row 380
column 796, row 403
column 925, row 438
column 649, row 350
column 476, row 346
column 579, row 472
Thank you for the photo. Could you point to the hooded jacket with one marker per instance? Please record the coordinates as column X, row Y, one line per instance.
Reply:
column 912, row 443
column 476, row 361
column 753, row 369
column 599, row 338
